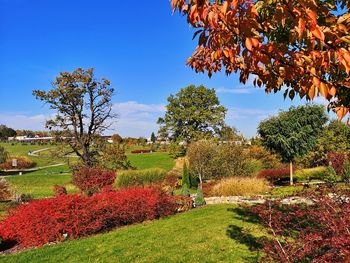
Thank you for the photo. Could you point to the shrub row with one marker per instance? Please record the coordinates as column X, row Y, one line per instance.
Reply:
column 70, row 216
column 247, row 186
column 140, row 177
column 22, row 163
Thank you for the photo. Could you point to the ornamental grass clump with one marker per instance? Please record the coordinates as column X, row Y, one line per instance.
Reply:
column 242, row 186
column 140, row 177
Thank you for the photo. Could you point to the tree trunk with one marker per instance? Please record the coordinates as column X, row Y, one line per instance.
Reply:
column 200, row 181
column 291, row 172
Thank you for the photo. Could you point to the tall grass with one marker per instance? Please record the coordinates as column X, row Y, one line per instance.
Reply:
column 140, row 177
column 243, row 186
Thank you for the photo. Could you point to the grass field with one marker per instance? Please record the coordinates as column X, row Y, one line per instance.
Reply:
column 217, row 233
column 43, row 159
column 152, row 160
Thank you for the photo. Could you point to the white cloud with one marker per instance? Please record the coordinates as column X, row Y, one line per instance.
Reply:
column 235, row 91
column 24, row 121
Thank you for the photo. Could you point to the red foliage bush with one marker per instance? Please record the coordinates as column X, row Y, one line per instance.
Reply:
column 93, row 178
column 314, row 233
column 141, row 151
column 337, row 161
column 54, row 219
column 59, row 190
column 274, row 176
column 22, row 163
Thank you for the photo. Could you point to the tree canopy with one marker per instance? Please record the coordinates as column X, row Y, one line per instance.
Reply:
column 6, row 132
column 293, row 133
column 193, row 113
column 83, row 110
column 299, row 46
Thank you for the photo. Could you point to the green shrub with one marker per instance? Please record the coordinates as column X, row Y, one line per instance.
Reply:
column 244, row 186
column 140, row 177
column 346, row 171
column 317, row 173
column 185, row 191
column 185, row 176
column 331, row 176
column 176, row 150
column 199, row 200
column 254, row 166
column 3, row 155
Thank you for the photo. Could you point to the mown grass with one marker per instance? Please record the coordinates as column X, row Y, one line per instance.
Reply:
column 44, row 158
column 152, row 160
column 40, row 183
column 215, row 233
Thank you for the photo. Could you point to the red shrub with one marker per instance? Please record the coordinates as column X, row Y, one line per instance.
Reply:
column 93, row 178
column 274, row 175
column 22, row 163
column 53, row 219
column 300, row 233
column 59, row 190
column 141, row 151
column 337, row 161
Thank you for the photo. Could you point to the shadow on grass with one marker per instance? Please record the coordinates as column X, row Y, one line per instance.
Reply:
column 240, row 234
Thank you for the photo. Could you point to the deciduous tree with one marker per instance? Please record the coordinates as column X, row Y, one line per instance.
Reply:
column 193, row 113
column 293, row 133
column 299, row 46
column 83, row 110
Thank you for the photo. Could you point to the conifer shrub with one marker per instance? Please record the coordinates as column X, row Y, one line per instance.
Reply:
column 186, row 176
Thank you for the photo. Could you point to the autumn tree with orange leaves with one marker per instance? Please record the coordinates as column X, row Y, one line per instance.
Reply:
column 301, row 47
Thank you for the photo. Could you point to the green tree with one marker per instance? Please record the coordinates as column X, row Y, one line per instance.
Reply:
column 113, row 157
column 193, row 113
column 334, row 138
column 228, row 133
column 83, row 110
column 153, row 137
column 293, row 133
column 6, row 132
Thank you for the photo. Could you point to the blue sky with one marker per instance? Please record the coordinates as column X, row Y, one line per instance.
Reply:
column 139, row 46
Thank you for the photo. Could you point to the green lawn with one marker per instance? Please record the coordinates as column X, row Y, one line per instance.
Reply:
column 40, row 183
column 217, row 233
column 43, row 159
column 152, row 160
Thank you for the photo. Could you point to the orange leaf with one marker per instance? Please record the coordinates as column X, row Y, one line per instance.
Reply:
column 317, row 32
column 224, row 7
column 332, row 91
column 313, row 16
column 301, row 26
column 323, row 90
column 316, row 81
column 341, row 112
column 249, row 43
column 312, row 92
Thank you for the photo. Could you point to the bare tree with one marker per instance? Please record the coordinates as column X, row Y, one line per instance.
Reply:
column 83, row 110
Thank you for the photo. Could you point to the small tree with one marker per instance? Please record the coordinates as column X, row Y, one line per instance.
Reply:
column 113, row 157
column 293, row 133
column 200, row 156
column 83, row 109
column 153, row 138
